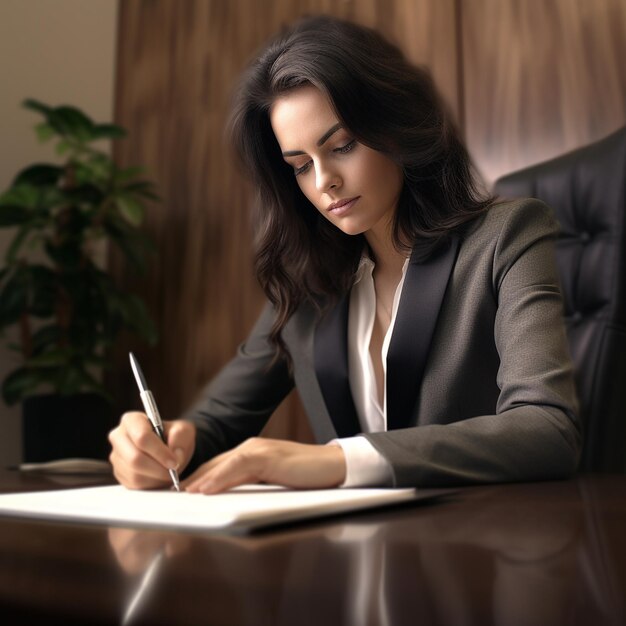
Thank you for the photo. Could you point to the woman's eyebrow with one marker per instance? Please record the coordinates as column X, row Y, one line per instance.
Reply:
column 320, row 142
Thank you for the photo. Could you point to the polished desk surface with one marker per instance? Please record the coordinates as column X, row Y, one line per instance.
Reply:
column 523, row 554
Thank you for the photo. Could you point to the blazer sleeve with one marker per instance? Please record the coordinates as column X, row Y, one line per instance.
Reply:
column 237, row 403
column 534, row 431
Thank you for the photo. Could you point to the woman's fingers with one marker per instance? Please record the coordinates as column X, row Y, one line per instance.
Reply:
column 181, row 440
column 139, row 458
column 132, row 467
column 236, row 467
column 143, row 437
column 271, row 461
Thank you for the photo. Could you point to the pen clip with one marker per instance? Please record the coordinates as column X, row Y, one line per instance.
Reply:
column 152, row 411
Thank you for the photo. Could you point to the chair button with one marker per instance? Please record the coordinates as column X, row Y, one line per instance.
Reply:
column 577, row 317
column 585, row 236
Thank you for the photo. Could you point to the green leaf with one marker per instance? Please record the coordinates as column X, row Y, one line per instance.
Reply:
column 128, row 173
column 72, row 380
column 137, row 318
column 25, row 196
column 130, row 208
column 20, row 383
column 62, row 147
column 51, row 358
column 43, row 291
column 98, row 361
column 13, row 215
column 132, row 243
column 66, row 255
column 44, row 131
column 13, row 298
column 17, row 242
column 39, row 174
column 86, row 194
column 97, row 168
column 71, row 122
column 142, row 188
column 36, row 105
column 46, row 336
column 108, row 131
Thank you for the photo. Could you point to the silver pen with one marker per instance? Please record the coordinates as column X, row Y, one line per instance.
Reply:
column 152, row 412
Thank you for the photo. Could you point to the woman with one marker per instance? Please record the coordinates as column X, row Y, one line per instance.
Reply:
column 420, row 321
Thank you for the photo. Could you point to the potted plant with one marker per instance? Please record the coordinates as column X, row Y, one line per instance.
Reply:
column 59, row 310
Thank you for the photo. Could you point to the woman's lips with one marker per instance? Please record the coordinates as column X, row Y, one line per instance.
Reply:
column 342, row 206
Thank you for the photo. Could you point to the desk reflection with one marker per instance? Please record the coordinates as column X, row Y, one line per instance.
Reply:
column 490, row 559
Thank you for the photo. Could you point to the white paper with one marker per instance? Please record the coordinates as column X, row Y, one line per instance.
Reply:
column 245, row 507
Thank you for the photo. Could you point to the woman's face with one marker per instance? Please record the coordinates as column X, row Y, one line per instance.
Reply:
column 354, row 187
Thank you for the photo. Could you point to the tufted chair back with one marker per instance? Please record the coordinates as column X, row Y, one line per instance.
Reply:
column 586, row 189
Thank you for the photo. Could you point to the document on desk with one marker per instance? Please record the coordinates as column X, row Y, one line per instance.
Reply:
column 245, row 508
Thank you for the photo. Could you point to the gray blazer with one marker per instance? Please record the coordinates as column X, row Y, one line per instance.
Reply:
column 479, row 381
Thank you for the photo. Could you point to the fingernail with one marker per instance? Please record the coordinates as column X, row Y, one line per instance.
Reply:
column 179, row 455
column 175, row 463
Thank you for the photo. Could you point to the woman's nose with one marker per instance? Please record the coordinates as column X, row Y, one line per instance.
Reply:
column 327, row 178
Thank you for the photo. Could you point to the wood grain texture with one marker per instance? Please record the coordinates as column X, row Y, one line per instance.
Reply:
column 540, row 77
column 177, row 64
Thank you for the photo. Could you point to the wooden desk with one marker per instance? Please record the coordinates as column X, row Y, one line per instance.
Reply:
column 528, row 554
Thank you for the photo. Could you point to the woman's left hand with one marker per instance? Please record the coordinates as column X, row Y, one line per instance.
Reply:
column 273, row 461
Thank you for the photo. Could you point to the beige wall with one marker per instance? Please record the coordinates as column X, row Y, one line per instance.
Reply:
column 60, row 52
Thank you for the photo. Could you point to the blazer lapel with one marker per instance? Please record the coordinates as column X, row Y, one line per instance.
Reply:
column 422, row 294
column 331, row 366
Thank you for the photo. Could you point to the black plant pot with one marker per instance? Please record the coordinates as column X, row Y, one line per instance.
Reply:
column 57, row 427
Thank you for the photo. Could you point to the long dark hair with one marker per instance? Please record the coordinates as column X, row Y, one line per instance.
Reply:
column 388, row 105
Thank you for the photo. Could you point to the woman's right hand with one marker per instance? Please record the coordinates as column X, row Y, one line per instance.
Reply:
column 140, row 459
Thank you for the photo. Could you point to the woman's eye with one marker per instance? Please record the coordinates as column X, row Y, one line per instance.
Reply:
column 340, row 150
column 302, row 169
column 347, row 147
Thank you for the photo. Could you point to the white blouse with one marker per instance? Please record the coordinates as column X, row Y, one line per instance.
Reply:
column 365, row 465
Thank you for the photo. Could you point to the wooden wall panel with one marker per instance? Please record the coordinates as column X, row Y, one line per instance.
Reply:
column 177, row 62
column 540, row 77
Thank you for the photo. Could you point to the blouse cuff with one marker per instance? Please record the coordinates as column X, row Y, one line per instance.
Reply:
column 365, row 466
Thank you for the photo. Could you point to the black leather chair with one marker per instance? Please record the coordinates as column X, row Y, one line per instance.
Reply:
column 586, row 189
